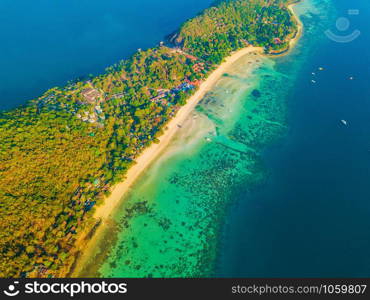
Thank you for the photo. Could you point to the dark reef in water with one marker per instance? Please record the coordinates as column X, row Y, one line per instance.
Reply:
column 256, row 93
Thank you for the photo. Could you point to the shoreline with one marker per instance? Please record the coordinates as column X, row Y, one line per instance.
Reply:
column 150, row 154
column 89, row 236
column 297, row 35
column 296, row 38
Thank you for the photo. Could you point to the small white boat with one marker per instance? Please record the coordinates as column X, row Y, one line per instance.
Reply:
column 313, row 81
column 344, row 122
column 351, row 78
column 313, row 73
column 321, row 69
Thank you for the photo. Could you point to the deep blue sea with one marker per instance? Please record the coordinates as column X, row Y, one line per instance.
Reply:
column 311, row 218
column 46, row 43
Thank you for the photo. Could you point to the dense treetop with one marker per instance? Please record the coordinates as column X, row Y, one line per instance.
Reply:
column 233, row 24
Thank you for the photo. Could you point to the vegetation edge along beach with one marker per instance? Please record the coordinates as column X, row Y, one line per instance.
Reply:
column 69, row 149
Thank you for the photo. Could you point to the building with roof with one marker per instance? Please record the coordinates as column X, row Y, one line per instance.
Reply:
column 91, row 95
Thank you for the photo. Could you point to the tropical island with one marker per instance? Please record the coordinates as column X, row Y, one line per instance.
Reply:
column 62, row 153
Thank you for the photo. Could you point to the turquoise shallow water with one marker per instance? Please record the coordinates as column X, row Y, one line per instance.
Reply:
column 46, row 43
column 187, row 192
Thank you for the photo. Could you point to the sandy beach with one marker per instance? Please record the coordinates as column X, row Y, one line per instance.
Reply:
column 103, row 212
column 151, row 153
column 294, row 41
